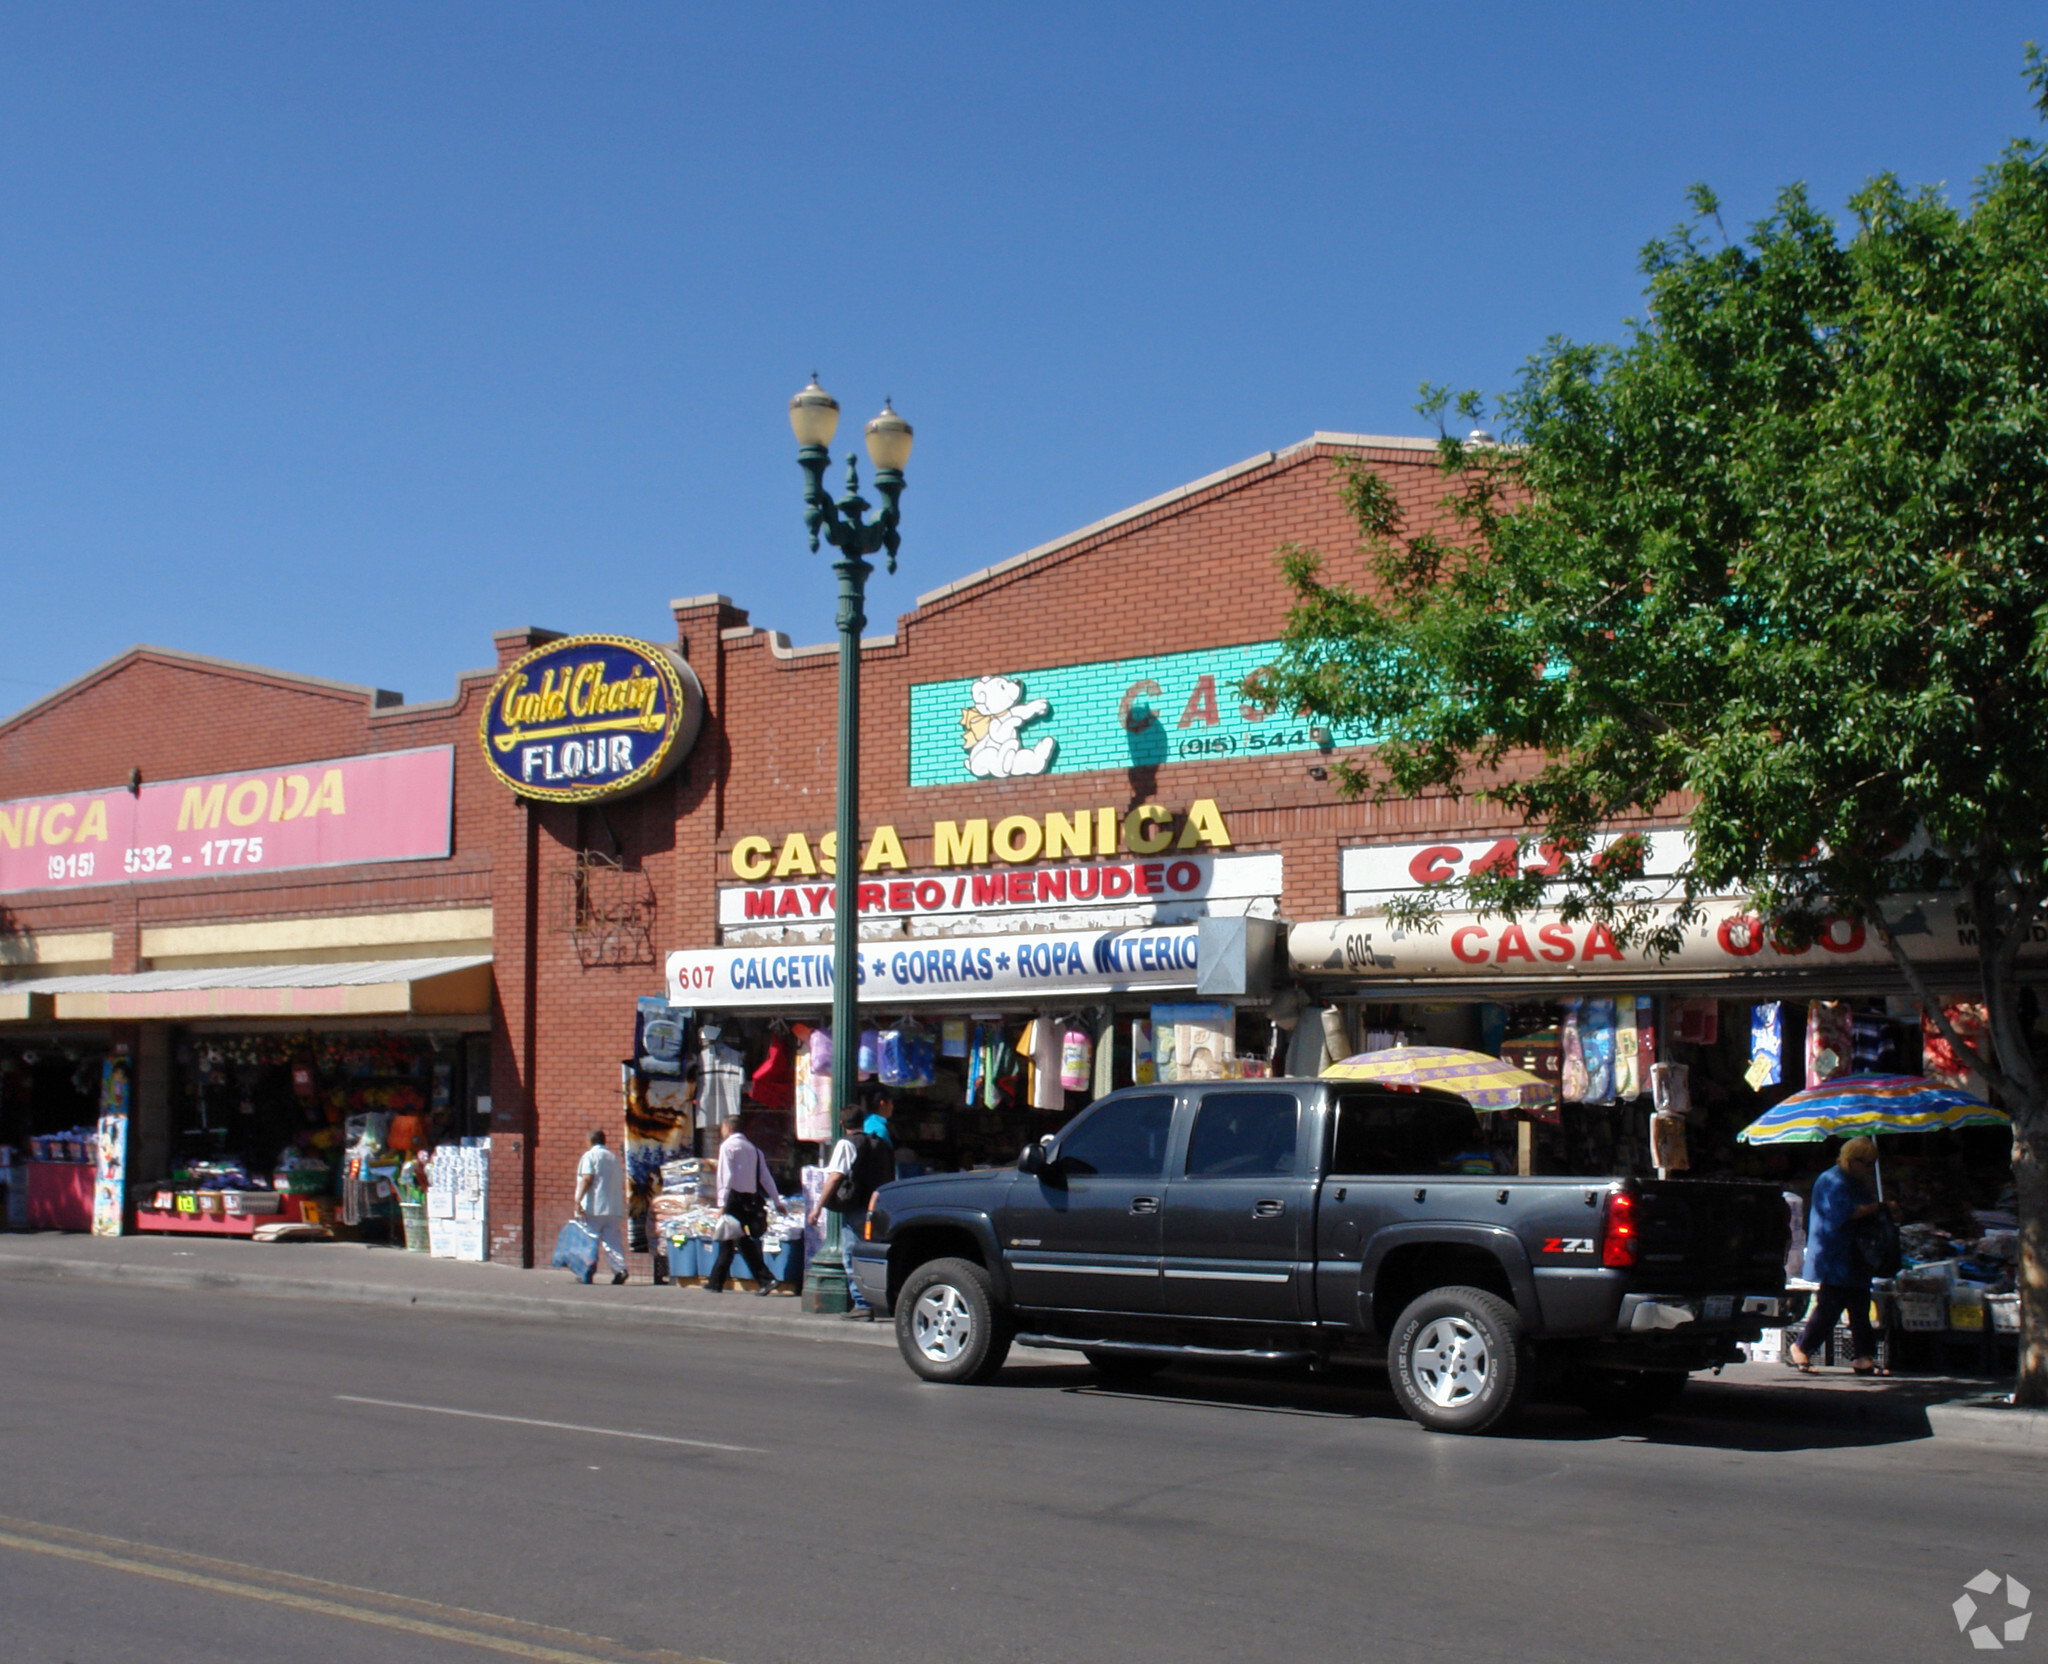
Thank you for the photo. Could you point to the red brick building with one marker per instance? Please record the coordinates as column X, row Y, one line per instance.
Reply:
column 520, row 941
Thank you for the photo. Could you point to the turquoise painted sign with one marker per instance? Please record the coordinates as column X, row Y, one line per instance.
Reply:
column 1117, row 714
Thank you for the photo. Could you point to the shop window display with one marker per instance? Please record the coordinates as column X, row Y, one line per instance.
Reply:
column 49, row 1113
column 276, row 1131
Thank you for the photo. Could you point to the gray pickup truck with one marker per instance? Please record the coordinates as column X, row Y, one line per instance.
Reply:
column 1293, row 1221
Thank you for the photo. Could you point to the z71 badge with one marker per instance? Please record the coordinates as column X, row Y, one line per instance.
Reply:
column 1567, row 1245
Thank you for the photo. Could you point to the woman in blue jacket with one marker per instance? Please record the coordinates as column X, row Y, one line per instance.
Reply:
column 1843, row 1197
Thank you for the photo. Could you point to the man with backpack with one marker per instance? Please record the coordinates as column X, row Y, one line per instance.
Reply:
column 861, row 1163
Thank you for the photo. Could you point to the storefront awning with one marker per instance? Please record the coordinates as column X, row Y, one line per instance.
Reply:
column 1227, row 958
column 1541, row 953
column 449, row 987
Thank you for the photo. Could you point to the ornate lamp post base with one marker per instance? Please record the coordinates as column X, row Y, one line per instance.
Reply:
column 825, row 1276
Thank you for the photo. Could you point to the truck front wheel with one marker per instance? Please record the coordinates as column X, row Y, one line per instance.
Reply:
column 1459, row 1362
column 948, row 1325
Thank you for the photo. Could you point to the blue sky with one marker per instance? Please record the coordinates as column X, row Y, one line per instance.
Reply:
column 337, row 337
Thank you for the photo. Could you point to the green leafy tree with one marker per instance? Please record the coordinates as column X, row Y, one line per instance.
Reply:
column 1773, row 568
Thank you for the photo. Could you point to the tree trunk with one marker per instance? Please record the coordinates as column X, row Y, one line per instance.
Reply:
column 2030, row 1197
column 2005, row 924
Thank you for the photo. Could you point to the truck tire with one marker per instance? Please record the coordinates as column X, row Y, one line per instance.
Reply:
column 1626, row 1395
column 1114, row 1365
column 948, row 1325
column 1459, row 1362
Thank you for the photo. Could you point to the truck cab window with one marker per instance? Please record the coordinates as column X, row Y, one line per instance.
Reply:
column 1120, row 1137
column 1243, row 1135
column 1400, row 1134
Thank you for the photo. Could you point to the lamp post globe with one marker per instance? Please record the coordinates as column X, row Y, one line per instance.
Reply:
column 888, row 437
column 814, row 418
column 814, row 415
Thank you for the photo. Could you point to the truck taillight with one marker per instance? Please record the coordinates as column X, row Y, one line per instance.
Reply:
column 1618, row 1246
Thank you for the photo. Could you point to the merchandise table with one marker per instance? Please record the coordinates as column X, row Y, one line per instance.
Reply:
column 60, row 1196
column 166, row 1222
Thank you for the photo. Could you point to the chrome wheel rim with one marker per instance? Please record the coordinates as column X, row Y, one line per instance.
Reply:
column 1450, row 1363
column 942, row 1323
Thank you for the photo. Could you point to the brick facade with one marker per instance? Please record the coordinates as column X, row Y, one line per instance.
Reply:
column 1193, row 570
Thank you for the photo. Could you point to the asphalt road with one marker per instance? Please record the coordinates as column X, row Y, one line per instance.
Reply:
column 194, row 1477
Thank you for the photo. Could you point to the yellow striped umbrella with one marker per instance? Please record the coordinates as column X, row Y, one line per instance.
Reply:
column 1483, row 1082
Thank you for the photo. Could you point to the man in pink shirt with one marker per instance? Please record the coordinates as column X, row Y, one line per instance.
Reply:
column 745, row 1188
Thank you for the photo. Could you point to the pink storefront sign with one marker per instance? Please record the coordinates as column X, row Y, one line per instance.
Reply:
column 391, row 806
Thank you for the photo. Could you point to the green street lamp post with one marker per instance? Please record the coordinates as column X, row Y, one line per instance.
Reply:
column 814, row 416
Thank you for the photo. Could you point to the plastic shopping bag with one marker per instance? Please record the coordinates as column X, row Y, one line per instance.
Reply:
column 576, row 1248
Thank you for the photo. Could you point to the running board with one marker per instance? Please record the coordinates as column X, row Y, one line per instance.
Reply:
column 1155, row 1349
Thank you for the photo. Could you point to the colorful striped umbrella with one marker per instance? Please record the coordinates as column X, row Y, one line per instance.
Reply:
column 1865, row 1105
column 1483, row 1082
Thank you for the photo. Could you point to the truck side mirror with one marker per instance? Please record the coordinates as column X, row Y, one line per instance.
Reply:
column 1032, row 1158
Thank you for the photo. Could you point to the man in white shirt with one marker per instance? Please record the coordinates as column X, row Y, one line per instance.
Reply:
column 860, row 1164
column 745, row 1188
column 601, row 1203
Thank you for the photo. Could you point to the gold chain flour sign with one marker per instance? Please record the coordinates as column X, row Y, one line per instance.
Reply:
column 591, row 717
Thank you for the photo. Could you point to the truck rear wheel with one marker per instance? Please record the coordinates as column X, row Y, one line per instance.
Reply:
column 948, row 1325
column 1459, row 1362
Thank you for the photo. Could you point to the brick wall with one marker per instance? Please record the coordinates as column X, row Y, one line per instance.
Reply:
column 1193, row 573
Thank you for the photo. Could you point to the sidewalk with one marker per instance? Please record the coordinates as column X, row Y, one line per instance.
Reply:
column 1958, row 1409
column 385, row 1276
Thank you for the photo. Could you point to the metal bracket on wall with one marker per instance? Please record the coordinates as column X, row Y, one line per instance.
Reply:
column 606, row 909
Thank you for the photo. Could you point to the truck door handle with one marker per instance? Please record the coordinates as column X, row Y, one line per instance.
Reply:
column 1144, row 1204
column 1268, row 1208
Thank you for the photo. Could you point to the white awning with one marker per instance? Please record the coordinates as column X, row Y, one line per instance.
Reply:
column 448, row 987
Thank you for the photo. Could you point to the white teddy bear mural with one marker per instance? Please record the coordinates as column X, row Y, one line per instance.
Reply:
column 989, row 729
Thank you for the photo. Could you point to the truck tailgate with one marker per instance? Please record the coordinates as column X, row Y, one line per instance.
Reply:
column 1699, row 1234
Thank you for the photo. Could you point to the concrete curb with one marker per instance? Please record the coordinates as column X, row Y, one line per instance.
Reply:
column 1990, row 1421
column 565, row 1308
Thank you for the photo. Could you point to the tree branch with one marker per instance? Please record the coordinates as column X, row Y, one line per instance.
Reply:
column 1931, row 1006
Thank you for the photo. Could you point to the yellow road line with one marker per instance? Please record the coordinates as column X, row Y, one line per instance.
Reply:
column 514, row 1638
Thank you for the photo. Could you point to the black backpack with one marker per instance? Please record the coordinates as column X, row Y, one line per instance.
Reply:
column 874, row 1165
column 1878, row 1245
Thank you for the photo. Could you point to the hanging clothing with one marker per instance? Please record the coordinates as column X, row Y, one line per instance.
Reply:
column 1698, row 1022
column 1870, row 1042
column 1940, row 1061
column 1077, row 1054
column 1628, row 1083
column 1766, row 1045
column 1574, row 1087
column 1040, row 1047
column 1336, row 1036
column 1105, row 1056
column 1596, row 1042
column 718, row 1094
column 1829, row 1040
column 774, row 1084
column 1144, row 1054
column 1305, row 1048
